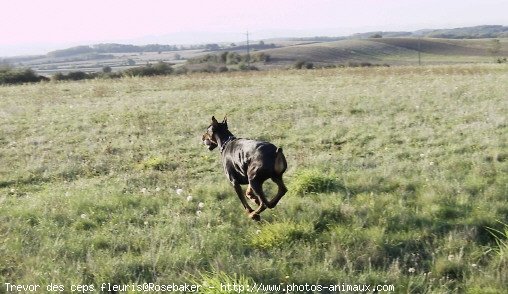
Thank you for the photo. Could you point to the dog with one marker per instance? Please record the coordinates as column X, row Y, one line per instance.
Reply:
column 248, row 162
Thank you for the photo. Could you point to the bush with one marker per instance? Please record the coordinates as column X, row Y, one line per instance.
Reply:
column 246, row 67
column 301, row 64
column 261, row 57
column 161, row 68
column 19, row 76
column 233, row 58
column 222, row 69
column 107, row 69
column 181, row 70
column 312, row 182
column 73, row 76
column 278, row 234
column 501, row 60
column 156, row 163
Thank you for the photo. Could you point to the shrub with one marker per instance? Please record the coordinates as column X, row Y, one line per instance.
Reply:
column 501, row 237
column 452, row 269
column 181, row 70
column 72, row 76
column 233, row 58
column 261, row 57
column 312, row 182
column 277, row 234
column 107, row 69
column 301, row 64
column 156, row 163
column 222, row 69
column 18, row 76
column 160, row 68
column 501, row 60
column 246, row 67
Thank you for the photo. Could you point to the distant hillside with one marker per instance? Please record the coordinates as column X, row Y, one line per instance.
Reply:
column 110, row 48
column 394, row 48
column 389, row 50
column 477, row 32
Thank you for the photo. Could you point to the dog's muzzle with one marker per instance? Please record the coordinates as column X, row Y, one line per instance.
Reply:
column 209, row 143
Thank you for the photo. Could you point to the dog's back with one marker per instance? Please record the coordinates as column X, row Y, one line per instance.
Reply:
column 242, row 157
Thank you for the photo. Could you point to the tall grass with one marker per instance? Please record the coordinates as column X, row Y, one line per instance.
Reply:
column 395, row 176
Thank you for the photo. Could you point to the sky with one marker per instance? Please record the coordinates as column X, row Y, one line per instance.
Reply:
column 35, row 26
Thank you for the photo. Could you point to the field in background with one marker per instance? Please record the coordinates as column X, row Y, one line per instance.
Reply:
column 395, row 177
column 391, row 51
column 377, row 51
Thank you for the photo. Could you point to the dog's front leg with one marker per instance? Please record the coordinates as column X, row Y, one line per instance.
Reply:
column 239, row 192
column 255, row 214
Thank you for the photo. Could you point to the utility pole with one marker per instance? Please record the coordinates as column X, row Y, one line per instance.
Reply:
column 248, row 51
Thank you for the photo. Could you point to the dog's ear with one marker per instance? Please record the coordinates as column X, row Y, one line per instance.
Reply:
column 214, row 122
column 225, row 120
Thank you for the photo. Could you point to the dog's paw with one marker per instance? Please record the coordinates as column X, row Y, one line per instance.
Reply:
column 255, row 216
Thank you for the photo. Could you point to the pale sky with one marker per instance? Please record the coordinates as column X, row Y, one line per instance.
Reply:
column 27, row 26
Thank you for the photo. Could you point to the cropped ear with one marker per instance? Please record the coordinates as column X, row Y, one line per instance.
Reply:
column 214, row 122
column 225, row 120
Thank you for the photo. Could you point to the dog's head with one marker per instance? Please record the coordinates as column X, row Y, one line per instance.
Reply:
column 209, row 137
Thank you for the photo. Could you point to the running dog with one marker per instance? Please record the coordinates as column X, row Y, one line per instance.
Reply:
column 248, row 162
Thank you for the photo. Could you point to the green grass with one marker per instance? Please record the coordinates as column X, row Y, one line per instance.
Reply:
column 396, row 175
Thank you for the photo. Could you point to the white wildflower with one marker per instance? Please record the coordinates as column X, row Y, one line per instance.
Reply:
column 179, row 191
column 201, row 205
column 411, row 270
column 189, row 198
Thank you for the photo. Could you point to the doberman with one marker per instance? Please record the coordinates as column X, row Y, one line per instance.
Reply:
column 248, row 162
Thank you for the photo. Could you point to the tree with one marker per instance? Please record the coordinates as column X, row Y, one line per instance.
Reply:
column 107, row 69
column 212, row 47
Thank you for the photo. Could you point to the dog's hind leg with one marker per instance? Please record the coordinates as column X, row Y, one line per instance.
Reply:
column 281, row 191
column 257, row 187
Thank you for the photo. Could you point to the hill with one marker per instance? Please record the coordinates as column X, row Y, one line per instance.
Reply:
column 390, row 50
column 476, row 32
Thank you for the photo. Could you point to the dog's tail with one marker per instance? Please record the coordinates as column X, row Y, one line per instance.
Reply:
column 280, row 162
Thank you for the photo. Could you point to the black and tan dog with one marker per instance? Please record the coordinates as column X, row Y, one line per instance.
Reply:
column 248, row 162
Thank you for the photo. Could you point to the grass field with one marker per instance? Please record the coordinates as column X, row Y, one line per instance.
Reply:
column 397, row 176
